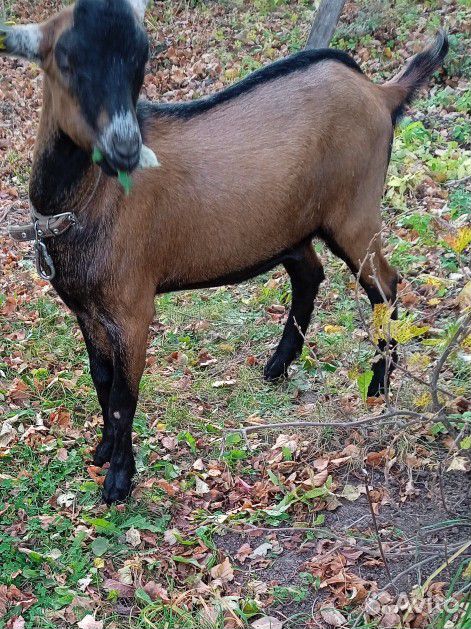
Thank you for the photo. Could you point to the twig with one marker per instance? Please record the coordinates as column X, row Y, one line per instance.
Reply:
column 5, row 213
column 375, row 524
column 457, row 182
column 444, row 565
column 416, row 418
column 414, row 566
column 421, row 380
column 287, row 529
column 442, row 489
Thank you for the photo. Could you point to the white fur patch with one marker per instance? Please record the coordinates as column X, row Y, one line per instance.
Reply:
column 117, row 415
column 122, row 125
column 148, row 158
column 139, row 7
column 25, row 40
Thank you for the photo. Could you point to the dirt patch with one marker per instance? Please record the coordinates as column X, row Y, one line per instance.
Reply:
column 417, row 535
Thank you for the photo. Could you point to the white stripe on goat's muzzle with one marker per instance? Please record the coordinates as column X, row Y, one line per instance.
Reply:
column 121, row 141
column 123, row 128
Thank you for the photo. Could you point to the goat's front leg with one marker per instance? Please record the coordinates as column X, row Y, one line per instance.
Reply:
column 101, row 370
column 129, row 340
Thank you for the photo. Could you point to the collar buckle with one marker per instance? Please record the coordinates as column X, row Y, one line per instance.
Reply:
column 40, row 228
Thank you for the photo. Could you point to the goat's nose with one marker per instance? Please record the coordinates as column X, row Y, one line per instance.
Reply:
column 126, row 147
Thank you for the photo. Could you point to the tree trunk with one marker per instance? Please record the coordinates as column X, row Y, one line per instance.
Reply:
column 325, row 21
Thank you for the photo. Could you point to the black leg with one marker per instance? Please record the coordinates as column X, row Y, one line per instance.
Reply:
column 306, row 274
column 380, row 378
column 101, row 370
column 122, row 407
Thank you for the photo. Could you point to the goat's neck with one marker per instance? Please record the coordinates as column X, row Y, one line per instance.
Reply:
column 62, row 174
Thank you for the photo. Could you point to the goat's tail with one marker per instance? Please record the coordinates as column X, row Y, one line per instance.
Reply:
column 401, row 89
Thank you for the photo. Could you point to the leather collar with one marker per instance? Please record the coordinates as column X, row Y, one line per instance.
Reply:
column 42, row 226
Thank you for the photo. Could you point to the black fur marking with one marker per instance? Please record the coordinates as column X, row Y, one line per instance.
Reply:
column 56, row 173
column 306, row 277
column 101, row 370
column 397, row 114
column 419, row 69
column 103, row 57
column 297, row 62
column 122, row 407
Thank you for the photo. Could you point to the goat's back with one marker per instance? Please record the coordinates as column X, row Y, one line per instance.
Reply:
column 259, row 173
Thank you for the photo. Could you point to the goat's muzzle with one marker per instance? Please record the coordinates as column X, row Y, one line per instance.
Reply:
column 121, row 143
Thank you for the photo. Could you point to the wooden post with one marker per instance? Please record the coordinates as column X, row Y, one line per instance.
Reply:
column 325, row 21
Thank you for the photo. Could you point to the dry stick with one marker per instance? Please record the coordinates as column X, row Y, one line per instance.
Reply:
column 416, row 418
column 457, row 182
column 421, row 380
column 375, row 524
column 422, row 562
column 5, row 213
column 442, row 490
column 414, row 566
column 445, row 565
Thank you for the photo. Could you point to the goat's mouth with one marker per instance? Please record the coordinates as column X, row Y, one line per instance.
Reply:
column 119, row 163
column 120, row 143
column 146, row 158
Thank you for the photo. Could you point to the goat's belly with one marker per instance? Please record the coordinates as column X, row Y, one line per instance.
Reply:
column 240, row 274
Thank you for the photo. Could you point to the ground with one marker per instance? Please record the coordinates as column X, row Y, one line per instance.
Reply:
column 288, row 527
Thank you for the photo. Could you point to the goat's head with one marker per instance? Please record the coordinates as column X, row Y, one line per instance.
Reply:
column 94, row 56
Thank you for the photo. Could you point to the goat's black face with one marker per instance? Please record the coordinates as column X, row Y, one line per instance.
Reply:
column 101, row 61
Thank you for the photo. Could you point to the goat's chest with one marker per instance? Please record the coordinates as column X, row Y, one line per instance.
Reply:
column 81, row 264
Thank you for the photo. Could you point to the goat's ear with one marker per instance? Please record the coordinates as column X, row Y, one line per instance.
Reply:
column 22, row 41
column 139, row 7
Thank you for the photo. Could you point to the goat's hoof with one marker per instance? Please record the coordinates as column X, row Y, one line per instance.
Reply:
column 117, row 487
column 276, row 368
column 103, row 453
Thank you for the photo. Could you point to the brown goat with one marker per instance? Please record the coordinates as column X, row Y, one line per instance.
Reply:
column 248, row 178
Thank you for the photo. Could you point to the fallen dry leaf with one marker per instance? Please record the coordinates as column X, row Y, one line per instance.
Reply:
column 89, row 622
column 201, row 487
column 262, row 550
column 123, row 590
column 223, row 571
column 267, row 622
column 332, row 617
column 156, row 591
column 133, row 537
column 244, row 551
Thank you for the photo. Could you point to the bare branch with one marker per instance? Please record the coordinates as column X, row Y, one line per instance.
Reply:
column 457, row 182
column 387, row 418
column 375, row 524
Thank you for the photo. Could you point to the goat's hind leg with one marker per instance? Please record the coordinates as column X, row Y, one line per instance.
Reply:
column 360, row 247
column 101, row 370
column 306, row 274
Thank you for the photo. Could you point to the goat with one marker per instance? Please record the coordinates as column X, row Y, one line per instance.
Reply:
column 248, row 177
